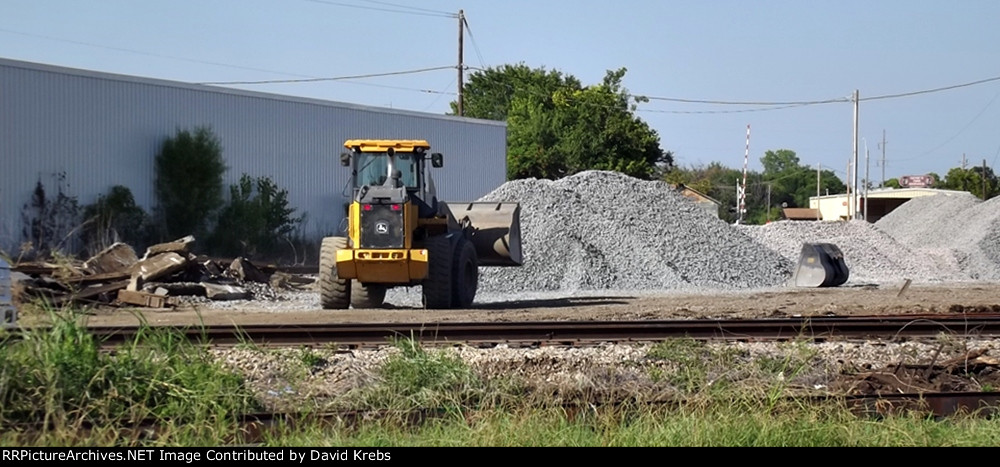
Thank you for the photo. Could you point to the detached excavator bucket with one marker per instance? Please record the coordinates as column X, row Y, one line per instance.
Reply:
column 821, row 265
column 495, row 231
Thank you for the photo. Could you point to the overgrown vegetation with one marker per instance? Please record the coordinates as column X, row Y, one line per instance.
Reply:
column 83, row 395
column 740, row 424
column 49, row 222
column 416, row 378
column 115, row 217
column 427, row 397
column 188, row 185
column 257, row 221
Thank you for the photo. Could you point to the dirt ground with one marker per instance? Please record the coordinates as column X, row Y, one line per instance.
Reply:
column 303, row 307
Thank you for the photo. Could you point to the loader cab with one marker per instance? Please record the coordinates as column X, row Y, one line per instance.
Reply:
column 394, row 164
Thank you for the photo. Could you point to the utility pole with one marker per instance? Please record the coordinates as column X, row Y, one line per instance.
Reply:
column 882, row 185
column 818, row 168
column 850, row 192
column 866, row 181
column 461, row 63
column 983, row 176
column 964, row 179
column 769, row 203
column 855, row 182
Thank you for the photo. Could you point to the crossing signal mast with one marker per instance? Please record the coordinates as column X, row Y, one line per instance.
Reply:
column 741, row 190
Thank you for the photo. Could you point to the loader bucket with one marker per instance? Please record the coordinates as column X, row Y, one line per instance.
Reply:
column 820, row 265
column 495, row 231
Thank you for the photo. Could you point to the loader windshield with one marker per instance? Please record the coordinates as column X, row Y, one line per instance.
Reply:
column 373, row 169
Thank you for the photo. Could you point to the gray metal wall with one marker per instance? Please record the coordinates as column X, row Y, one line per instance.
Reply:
column 102, row 130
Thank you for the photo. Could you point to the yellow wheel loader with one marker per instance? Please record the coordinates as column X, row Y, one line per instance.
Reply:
column 400, row 234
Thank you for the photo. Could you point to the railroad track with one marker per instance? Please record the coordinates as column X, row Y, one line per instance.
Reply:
column 574, row 333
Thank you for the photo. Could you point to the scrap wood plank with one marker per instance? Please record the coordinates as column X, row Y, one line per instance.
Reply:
column 89, row 292
column 108, row 276
column 145, row 299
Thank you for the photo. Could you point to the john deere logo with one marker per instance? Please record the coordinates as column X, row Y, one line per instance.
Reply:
column 382, row 228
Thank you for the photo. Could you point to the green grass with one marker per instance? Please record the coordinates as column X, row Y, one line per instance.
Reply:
column 415, row 378
column 425, row 397
column 743, row 425
column 61, row 378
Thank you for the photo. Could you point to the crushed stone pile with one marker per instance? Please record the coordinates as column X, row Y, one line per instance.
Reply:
column 600, row 230
column 871, row 255
column 955, row 228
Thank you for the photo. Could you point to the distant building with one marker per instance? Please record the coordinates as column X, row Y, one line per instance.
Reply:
column 881, row 201
column 703, row 201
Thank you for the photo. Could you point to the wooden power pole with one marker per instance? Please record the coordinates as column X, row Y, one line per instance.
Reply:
column 461, row 63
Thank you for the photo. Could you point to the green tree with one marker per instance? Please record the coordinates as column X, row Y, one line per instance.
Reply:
column 489, row 93
column 256, row 219
column 971, row 180
column 893, row 183
column 716, row 181
column 557, row 127
column 792, row 184
column 188, row 186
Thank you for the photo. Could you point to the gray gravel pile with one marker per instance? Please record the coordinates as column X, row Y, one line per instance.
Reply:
column 600, row 230
column 871, row 255
column 928, row 221
column 955, row 228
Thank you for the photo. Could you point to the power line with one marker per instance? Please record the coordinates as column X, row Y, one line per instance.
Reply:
column 473, row 39
column 336, row 78
column 717, row 102
column 440, row 12
column 759, row 109
column 362, row 7
column 928, row 91
column 441, row 93
column 956, row 135
column 139, row 52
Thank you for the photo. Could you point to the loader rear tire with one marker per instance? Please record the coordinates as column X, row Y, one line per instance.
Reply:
column 466, row 271
column 367, row 295
column 334, row 292
column 437, row 285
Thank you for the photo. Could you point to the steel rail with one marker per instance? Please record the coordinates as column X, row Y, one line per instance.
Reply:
column 524, row 333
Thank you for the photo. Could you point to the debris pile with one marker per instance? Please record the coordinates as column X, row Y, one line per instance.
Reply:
column 168, row 274
column 600, row 230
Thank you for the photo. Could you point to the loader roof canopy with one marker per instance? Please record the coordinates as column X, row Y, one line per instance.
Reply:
column 382, row 145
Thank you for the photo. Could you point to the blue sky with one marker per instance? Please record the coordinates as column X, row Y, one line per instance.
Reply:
column 721, row 50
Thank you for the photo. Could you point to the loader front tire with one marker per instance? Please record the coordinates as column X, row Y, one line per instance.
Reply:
column 437, row 285
column 334, row 292
column 367, row 295
column 466, row 271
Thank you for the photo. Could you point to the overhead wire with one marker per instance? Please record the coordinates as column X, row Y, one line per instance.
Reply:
column 335, row 78
column 426, row 10
column 475, row 46
column 139, row 52
column 362, row 7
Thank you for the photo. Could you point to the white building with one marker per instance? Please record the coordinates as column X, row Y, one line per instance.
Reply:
column 880, row 202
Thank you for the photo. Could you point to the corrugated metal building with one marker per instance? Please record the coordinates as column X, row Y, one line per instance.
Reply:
column 101, row 130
